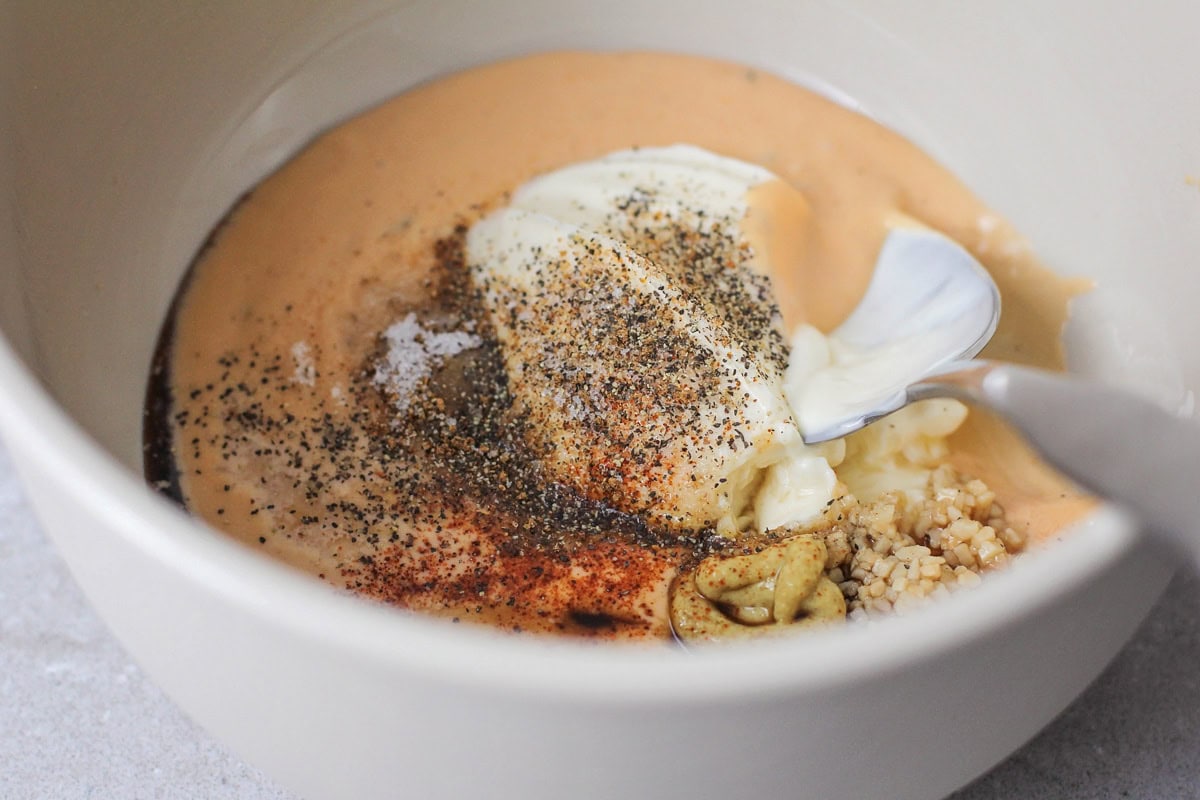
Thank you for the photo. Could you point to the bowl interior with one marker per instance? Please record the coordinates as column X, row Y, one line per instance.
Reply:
column 128, row 136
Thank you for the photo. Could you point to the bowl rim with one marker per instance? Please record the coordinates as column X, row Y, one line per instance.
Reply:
column 38, row 429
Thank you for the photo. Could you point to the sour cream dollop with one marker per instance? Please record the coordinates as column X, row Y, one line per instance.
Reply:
column 643, row 343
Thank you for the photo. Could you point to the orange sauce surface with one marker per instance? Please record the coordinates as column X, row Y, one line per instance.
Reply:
column 342, row 240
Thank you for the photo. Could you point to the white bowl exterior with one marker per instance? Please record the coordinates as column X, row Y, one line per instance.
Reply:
column 132, row 132
column 332, row 721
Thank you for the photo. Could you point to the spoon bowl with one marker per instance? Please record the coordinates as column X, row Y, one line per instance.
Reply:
column 929, row 309
column 929, row 304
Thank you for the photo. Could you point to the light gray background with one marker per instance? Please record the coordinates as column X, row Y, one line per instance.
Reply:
column 79, row 720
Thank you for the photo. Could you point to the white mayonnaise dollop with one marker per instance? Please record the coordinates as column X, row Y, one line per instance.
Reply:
column 641, row 340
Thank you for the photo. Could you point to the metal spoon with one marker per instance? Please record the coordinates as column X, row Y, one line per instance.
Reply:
column 930, row 308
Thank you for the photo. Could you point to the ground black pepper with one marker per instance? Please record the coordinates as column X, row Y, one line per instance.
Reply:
column 460, row 457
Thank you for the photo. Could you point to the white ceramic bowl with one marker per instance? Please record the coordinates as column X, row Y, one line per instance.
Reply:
column 129, row 130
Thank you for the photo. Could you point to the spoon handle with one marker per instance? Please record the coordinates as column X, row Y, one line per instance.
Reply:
column 1111, row 442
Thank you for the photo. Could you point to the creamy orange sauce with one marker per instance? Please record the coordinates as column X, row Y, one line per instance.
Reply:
column 342, row 241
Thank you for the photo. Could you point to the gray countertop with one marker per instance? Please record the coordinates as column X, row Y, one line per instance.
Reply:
column 79, row 720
